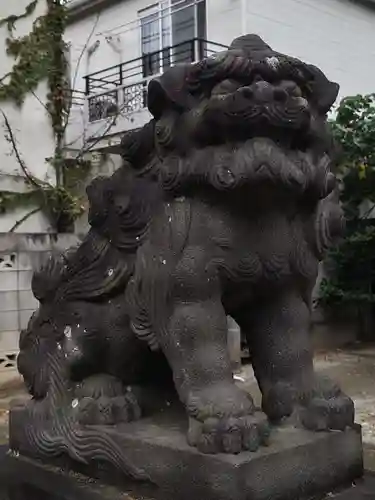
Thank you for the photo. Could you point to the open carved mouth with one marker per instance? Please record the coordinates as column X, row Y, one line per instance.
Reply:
column 273, row 97
column 243, row 100
column 262, row 91
column 234, row 111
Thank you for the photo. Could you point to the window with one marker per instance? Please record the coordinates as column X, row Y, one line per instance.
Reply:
column 155, row 38
column 168, row 33
column 183, row 30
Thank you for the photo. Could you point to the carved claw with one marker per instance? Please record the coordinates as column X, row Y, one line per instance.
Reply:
column 222, row 400
column 328, row 414
column 325, row 407
column 328, row 409
column 229, row 435
column 223, row 419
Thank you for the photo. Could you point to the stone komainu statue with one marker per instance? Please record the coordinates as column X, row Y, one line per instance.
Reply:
column 224, row 205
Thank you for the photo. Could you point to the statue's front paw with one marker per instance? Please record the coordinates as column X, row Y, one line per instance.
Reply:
column 328, row 409
column 229, row 435
column 335, row 413
column 320, row 408
column 223, row 399
column 223, row 419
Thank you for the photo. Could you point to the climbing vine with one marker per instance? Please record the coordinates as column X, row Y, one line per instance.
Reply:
column 41, row 56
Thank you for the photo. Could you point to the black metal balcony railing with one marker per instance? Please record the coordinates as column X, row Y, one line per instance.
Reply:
column 76, row 98
column 122, row 89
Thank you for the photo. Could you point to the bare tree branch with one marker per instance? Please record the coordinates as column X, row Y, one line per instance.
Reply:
column 85, row 47
column 102, row 131
column 41, row 102
column 24, row 219
column 4, row 77
column 100, row 137
column 368, row 211
column 73, row 83
column 36, row 182
column 80, row 136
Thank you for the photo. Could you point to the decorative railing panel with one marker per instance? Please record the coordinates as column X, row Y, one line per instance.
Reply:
column 122, row 89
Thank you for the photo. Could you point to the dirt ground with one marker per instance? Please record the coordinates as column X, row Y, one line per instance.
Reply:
column 353, row 369
column 11, row 387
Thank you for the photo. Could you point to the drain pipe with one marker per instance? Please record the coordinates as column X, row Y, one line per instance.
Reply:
column 89, row 52
column 116, row 44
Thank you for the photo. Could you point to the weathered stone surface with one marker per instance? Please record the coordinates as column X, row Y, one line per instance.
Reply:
column 24, row 479
column 224, row 205
column 296, row 465
column 51, row 483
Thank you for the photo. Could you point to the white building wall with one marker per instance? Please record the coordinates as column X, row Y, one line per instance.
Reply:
column 21, row 253
column 31, row 127
column 115, row 26
column 105, row 38
column 338, row 36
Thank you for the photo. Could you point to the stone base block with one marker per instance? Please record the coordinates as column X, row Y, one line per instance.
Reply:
column 297, row 465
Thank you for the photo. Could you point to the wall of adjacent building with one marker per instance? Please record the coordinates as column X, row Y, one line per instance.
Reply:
column 105, row 38
column 20, row 255
column 336, row 35
column 31, row 127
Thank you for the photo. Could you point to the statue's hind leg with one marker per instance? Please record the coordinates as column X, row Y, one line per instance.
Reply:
column 279, row 338
column 104, row 361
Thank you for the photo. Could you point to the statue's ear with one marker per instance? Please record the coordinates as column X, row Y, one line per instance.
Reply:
column 324, row 92
column 170, row 91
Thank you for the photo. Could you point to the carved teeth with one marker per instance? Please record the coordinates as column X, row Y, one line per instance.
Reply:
column 302, row 102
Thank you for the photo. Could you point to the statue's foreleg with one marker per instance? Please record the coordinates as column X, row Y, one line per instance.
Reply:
column 194, row 339
column 278, row 335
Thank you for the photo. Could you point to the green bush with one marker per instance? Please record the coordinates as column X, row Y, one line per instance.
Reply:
column 352, row 274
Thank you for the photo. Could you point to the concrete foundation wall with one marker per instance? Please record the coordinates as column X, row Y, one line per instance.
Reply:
column 20, row 255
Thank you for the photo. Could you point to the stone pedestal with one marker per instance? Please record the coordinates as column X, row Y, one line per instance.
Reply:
column 24, row 479
column 297, row 465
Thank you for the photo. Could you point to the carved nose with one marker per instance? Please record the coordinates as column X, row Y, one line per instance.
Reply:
column 290, row 87
column 247, row 92
column 263, row 91
column 260, row 91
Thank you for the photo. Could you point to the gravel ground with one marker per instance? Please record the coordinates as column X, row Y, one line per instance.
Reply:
column 11, row 387
column 354, row 371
